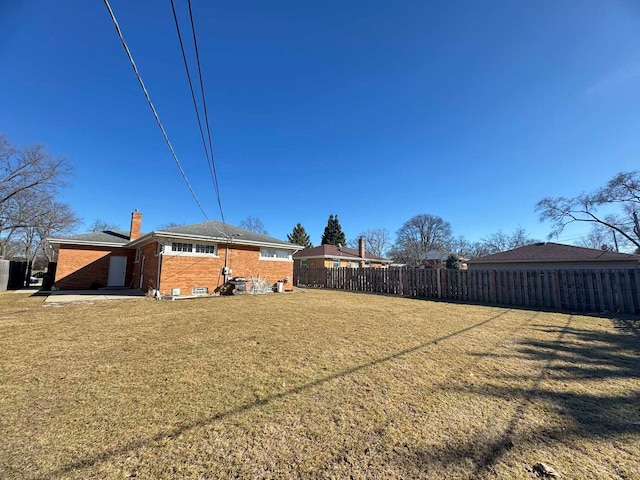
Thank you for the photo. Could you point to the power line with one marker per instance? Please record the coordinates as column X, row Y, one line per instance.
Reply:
column 193, row 96
column 208, row 151
column 155, row 114
column 206, row 114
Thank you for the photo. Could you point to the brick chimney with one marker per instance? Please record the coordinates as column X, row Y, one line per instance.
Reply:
column 136, row 225
column 361, row 248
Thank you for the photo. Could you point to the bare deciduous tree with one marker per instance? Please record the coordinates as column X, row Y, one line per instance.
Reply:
column 42, row 217
column 28, row 178
column 600, row 237
column 376, row 241
column 164, row 226
column 100, row 225
column 621, row 192
column 501, row 242
column 419, row 235
column 253, row 224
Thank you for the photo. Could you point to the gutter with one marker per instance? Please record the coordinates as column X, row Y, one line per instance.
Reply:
column 233, row 240
column 62, row 241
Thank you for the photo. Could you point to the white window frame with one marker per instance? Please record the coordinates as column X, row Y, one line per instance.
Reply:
column 205, row 247
column 193, row 252
column 335, row 261
column 181, row 247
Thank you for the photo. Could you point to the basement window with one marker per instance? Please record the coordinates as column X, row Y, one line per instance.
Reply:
column 199, row 291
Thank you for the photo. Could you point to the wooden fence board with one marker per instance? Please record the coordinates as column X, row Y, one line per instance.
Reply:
column 4, row 274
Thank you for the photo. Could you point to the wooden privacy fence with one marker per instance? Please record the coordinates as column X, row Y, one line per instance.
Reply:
column 614, row 290
column 4, row 274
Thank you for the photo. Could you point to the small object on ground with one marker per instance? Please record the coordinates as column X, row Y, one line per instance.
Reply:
column 545, row 471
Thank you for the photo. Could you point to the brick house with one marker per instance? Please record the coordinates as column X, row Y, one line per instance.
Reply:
column 331, row 256
column 185, row 260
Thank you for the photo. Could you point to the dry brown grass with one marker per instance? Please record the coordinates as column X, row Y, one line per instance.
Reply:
column 314, row 385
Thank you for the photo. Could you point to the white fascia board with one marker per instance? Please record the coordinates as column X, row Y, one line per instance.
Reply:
column 62, row 241
column 147, row 237
column 224, row 240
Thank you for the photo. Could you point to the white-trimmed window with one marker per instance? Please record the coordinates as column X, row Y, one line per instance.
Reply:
column 181, row 247
column 193, row 249
column 137, row 259
column 303, row 263
column 274, row 254
column 210, row 249
column 336, row 263
column 200, row 291
column 355, row 264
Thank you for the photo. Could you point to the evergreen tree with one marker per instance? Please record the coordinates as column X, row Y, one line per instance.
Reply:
column 333, row 234
column 299, row 237
column 453, row 262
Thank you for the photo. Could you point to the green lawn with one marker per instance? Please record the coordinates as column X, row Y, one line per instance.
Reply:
column 318, row 384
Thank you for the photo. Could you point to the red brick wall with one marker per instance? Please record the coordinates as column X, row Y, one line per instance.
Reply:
column 150, row 273
column 82, row 268
column 185, row 272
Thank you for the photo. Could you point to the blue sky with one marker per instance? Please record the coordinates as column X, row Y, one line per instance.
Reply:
column 375, row 111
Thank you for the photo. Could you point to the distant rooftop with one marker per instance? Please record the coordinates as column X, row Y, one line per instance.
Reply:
column 555, row 252
column 332, row 251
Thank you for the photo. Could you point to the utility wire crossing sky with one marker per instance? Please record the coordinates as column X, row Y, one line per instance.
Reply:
column 375, row 111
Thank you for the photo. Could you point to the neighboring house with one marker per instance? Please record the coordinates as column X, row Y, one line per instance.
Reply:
column 331, row 256
column 438, row 259
column 186, row 260
column 548, row 255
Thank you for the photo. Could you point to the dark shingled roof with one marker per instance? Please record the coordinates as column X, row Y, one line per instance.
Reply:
column 555, row 252
column 107, row 236
column 214, row 231
column 217, row 231
column 332, row 251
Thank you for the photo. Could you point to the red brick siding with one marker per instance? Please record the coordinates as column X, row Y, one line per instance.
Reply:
column 185, row 272
column 81, row 267
column 150, row 274
column 136, row 225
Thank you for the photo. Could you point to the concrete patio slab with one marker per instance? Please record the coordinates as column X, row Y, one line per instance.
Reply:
column 71, row 296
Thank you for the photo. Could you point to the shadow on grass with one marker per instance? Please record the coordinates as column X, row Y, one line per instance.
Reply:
column 178, row 430
column 573, row 355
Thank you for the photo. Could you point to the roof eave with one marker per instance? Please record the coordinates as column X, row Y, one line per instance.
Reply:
column 210, row 238
column 63, row 241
